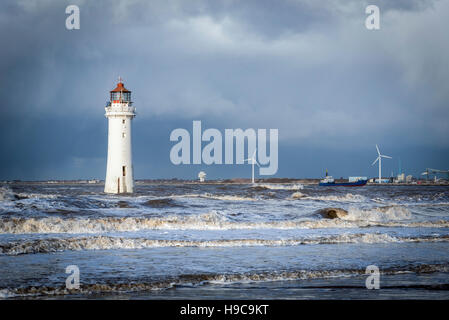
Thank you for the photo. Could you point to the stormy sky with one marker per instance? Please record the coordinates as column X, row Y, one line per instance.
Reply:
column 308, row 68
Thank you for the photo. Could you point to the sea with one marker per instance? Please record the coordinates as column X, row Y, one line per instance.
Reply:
column 223, row 241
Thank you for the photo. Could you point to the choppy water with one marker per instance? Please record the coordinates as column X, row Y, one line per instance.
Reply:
column 223, row 241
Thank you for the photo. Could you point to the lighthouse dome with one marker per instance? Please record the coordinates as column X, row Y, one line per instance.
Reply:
column 120, row 93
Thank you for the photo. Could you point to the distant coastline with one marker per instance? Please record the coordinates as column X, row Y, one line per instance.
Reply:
column 236, row 181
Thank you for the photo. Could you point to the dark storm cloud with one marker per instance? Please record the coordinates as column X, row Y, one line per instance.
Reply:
column 308, row 68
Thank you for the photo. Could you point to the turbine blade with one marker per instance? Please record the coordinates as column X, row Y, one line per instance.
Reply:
column 378, row 152
column 375, row 161
column 388, row 157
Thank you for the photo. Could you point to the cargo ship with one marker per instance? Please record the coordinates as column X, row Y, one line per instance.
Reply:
column 328, row 181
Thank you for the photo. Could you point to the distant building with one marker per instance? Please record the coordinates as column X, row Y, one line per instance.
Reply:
column 409, row 178
column 400, row 178
column 355, row 179
column 383, row 180
column 202, row 176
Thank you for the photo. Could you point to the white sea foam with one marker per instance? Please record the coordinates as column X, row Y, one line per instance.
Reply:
column 36, row 195
column 6, row 194
column 109, row 243
column 204, row 279
column 349, row 197
column 213, row 220
column 215, row 197
column 280, row 186
column 390, row 213
column 5, row 294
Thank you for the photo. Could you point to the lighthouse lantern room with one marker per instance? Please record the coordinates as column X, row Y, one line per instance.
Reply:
column 120, row 112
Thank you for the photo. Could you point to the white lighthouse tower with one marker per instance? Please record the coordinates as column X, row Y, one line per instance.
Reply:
column 120, row 112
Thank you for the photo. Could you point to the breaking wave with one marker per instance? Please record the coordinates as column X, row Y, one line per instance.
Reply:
column 110, row 243
column 210, row 221
column 195, row 280
column 349, row 197
column 6, row 194
column 388, row 213
column 216, row 197
column 279, row 186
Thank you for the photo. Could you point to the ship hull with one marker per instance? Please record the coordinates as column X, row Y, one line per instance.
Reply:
column 359, row 183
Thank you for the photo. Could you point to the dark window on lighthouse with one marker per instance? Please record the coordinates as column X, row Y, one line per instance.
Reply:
column 115, row 96
column 124, row 170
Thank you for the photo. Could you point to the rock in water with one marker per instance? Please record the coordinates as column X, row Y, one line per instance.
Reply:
column 162, row 203
column 333, row 213
column 298, row 195
column 123, row 204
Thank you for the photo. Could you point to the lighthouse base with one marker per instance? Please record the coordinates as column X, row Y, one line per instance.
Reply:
column 118, row 185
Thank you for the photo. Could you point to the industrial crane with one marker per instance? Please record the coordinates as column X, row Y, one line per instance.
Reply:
column 435, row 172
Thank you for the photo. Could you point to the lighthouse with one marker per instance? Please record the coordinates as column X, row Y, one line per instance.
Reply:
column 120, row 112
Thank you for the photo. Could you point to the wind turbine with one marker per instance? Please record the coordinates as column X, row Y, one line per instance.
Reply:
column 379, row 158
column 253, row 162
